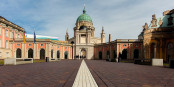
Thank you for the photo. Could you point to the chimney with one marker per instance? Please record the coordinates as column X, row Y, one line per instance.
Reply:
column 109, row 37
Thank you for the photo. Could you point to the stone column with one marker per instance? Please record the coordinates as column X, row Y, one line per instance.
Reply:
column 49, row 52
column 79, row 38
column 34, row 50
column 89, row 37
column 46, row 49
column 63, row 52
column 37, row 51
column 23, row 50
column 69, row 55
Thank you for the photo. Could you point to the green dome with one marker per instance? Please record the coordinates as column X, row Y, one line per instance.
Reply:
column 86, row 17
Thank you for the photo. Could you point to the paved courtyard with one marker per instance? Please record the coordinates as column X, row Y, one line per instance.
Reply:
column 105, row 74
column 52, row 74
column 130, row 75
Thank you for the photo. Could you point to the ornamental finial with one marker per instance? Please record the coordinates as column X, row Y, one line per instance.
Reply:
column 84, row 11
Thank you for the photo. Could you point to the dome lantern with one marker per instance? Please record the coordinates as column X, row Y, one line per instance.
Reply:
column 84, row 17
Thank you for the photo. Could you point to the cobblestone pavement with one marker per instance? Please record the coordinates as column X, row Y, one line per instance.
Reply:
column 113, row 74
column 52, row 74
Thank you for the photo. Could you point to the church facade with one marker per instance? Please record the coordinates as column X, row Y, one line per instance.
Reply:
column 155, row 41
column 84, row 37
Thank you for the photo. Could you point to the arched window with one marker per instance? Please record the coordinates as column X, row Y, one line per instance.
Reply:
column 136, row 54
column 51, row 53
column 18, row 53
column 66, row 55
column 42, row 54
column 58, row 54
column 30, row 53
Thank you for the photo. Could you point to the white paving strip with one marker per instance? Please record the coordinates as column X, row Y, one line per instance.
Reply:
column 84, row 78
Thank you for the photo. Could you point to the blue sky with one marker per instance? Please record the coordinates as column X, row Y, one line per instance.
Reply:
column 121, row 18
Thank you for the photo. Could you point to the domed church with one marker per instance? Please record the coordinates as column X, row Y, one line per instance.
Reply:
column 84, row 37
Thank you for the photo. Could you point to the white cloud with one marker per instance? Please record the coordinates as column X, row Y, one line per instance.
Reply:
column 121, row 18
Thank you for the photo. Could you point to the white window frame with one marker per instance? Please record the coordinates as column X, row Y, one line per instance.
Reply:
column 6, row 44
column 18, row 35
column 29, row 44
column 41, row 44
column 18, row 44
column 124, row 45
column 6, row 33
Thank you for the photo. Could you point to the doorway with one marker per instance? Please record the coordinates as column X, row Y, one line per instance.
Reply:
column 124, row 54
column 100, row 55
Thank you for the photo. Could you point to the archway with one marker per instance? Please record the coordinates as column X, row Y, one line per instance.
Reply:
column 136, row 54
column 108, row 54
column 58, row 54
column 66, row 55
column 83, row 53
column 30, row 53
column 152, row 50
column 18, row 53
column 51, row 53
column 170, row 50
column 100, row 55
column 42, row 54
column 124, row 54
column 114, row 55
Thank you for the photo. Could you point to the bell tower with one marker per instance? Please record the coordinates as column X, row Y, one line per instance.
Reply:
column 67, row 36
column 102, row 36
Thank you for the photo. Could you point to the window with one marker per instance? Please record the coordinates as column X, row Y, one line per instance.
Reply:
column 11, row 35
column 6, row 33
column 18, row 35
column 6, row 43
column 41, row 44
column 30, row 45
column 136, row 45
column 18, row 44
column 124, row 45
